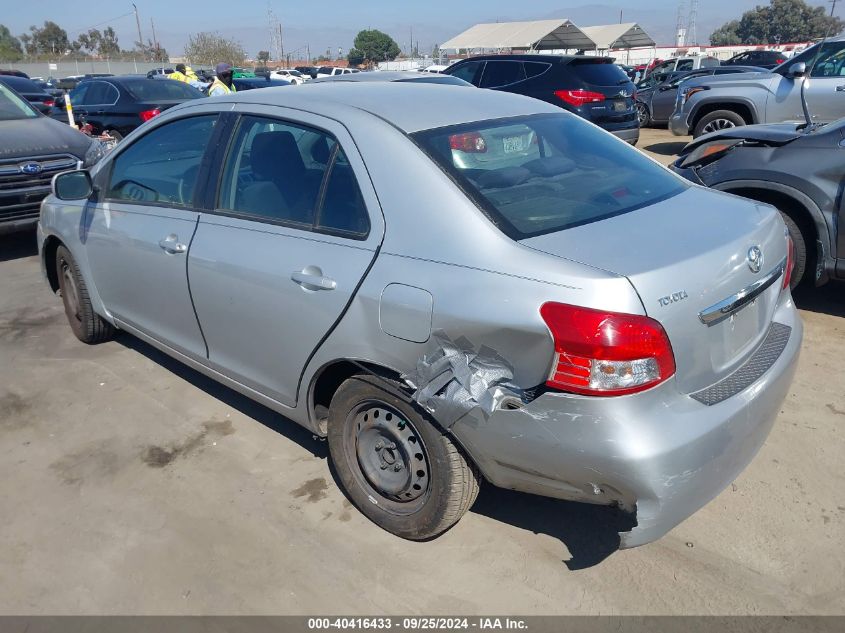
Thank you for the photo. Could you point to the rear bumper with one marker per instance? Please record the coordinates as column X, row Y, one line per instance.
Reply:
column 629, row 136
column 661, row 454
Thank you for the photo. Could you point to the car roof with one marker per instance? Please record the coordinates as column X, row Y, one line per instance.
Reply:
column 409, row 106
column 21, row 84
column 393, row 75
column 534, row 58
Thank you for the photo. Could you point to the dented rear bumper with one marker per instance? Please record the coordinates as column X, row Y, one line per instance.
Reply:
column 659, row 453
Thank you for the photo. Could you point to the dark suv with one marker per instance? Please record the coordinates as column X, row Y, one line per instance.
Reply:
column 762, row 59
column 592, row 87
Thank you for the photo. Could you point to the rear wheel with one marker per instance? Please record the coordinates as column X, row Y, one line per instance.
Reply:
column 117, row 136
column 401, row 471
column 88, row 326
column 643, row 115
column 799, row 246
column 718, row 120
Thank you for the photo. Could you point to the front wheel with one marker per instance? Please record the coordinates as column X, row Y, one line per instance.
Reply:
column 716, row 121
column 643, row 115
column 799, row 247
column 88, row 326
column 401, row 471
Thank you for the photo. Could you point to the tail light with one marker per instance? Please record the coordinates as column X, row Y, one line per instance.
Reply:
column 602, row 353
column 470, row 142
column 780, row 60
column 579, row 97
column 49, row 102
column 790, row 263
column 146, row 115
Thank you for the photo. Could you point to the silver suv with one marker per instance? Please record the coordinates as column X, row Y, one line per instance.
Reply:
column 714, row 103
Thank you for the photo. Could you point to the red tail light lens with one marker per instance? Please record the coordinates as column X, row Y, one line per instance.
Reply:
column 579, row 97
column 601, row 353
column 780, row 60
column 146, row 115
column 470, row 142
column 49, row 102
column 790, row 263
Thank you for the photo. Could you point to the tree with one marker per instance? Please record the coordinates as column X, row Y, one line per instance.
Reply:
column 212, row 48
column 780, row 22
column 108, row 43
column 355, row 57
column 373, row 46
column 263, row 56
column 51, row 39
column 151, row 52
column 10, row 46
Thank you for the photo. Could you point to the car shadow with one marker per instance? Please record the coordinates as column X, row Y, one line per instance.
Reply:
column 828, row 299
column 18, row 245
column 589, row 532
column 669, row 148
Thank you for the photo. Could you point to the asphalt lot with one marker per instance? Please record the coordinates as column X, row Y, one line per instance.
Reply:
column 130, row 484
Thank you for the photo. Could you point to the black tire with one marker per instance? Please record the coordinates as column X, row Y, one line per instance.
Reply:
column 88, row 326
column 799, row 246
column 371, row 430
column 717, row 120
column 643, row 115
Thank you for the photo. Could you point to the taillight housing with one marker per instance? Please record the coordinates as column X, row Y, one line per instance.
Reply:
column 578, row 98
column 49, row 102
column 146, row 115
column 790, row 263
column 469, row 142
column 601, row 353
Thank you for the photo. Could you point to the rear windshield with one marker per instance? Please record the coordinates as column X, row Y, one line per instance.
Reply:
column 600, row 74
column 160, row 90
column 545, row 173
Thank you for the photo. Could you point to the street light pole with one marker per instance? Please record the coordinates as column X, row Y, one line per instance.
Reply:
column 138, row 23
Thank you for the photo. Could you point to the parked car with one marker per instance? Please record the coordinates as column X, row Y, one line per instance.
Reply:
column 242, row 73
column 118, row 105
column 797, row 169
column 569, row 324
column 683, row 64
column 434, row 68
column 395, row 75
column 13, row 73
column 310, row 71
column 251, row 83
column 331, row 71
column 715, row 103
column 656, row 99
column 592, row 87
column 292, row 76
column 34, row 148
column 761, row 59
column 155, row 72
column 32, row 92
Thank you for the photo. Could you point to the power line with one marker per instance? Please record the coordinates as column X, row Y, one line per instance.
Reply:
column 94, row 26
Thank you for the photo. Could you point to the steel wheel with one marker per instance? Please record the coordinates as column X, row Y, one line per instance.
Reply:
column 391, row 456
column 70, row 291
column 642, row 114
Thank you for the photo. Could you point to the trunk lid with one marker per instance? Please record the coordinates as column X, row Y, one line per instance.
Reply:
column 684, row 255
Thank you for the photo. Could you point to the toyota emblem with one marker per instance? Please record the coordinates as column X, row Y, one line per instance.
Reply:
column 755, row 259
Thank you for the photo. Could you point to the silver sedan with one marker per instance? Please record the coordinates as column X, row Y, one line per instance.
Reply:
column 452, row 285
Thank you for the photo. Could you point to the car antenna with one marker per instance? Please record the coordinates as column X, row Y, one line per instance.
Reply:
column 804, row 106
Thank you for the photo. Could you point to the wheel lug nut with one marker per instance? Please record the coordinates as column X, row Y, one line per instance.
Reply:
column 379, row 446
column 391, row 446
column 397, row 467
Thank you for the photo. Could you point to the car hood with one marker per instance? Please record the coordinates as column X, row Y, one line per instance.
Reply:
column 24, row 138
column 774, row 134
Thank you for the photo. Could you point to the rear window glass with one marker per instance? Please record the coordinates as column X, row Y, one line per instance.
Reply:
column 546, row 173
column 160, row 90
column 532, row 69
column 600, row 74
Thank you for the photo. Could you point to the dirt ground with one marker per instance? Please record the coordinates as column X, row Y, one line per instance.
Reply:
column 130, row 484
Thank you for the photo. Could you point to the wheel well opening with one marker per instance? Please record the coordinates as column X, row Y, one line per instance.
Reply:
column 329, row 380
column 788, row 205
column 742, row 110
column 51, row 245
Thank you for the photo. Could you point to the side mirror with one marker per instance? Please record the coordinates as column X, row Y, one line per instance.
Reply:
column 73, row 185
column 798, row 69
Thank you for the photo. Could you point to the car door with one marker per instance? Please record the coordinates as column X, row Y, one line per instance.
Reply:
column 295, row 228
column 139, row 231
column 663, row 99
column 825, row 90
column 97, row 106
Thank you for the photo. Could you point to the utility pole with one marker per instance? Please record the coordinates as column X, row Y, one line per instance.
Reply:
column 281, row 43
column 832, row 6
column 620, row 16
column 138, row 23
column 153, row 27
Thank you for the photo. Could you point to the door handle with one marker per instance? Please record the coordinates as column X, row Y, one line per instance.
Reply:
column 840, row 88
column 313, row 280
column 172, row 245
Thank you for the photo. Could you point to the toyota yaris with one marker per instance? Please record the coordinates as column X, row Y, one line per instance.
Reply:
column 452, row 285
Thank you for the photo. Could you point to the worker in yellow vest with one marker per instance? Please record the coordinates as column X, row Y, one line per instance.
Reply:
column 183, row 73
column 222, row 84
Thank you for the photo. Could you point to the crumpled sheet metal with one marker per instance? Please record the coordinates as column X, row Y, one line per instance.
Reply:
column 454, row 379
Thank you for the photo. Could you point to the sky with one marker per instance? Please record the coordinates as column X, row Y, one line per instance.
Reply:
column 333, row 23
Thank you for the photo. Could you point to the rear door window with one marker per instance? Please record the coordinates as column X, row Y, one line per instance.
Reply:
column 501, row 73
column 534, row 69
column 684, row 64
column 599, row 74
column 100, row 93
column 544, row 173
